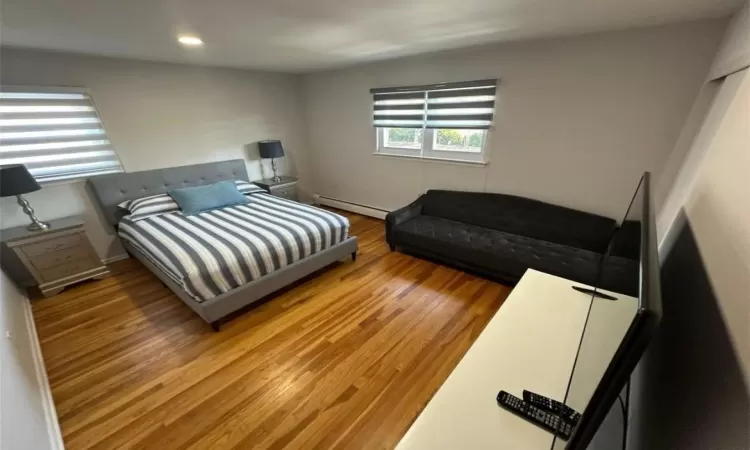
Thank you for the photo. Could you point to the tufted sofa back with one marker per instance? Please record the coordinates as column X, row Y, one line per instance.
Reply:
column 521, row 216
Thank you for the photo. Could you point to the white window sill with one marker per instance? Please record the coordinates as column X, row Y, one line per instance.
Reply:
column 460, row 162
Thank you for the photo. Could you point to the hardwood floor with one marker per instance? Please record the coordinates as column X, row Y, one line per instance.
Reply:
column 346, row 359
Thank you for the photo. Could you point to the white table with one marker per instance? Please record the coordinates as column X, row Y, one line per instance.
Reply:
column 530, row 343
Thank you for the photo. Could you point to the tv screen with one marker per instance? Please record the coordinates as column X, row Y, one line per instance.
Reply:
column 619, row 328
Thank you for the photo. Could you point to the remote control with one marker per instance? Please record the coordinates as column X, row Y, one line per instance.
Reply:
column 537, row 416
column 567, row 414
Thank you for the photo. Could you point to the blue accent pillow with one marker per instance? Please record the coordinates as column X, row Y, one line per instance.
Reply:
column 198, row 199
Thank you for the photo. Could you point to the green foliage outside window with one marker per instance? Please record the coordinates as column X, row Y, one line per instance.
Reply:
column 449, row 137
column 459, row 138
column 475, row 140
column 404, row 134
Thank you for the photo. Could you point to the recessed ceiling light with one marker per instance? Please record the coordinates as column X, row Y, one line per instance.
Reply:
column 192, row 41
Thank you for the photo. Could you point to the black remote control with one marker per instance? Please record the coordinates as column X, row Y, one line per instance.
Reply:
column 567, row 414
column 537, row 416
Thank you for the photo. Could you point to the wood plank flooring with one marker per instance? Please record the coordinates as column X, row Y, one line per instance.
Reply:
column 345, row 359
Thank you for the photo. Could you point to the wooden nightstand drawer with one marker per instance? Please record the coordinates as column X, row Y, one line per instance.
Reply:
column 69, row 255
column 67, row 269
column 52, row 245
column 48, row 260
column 289, row 193
column 284, row 187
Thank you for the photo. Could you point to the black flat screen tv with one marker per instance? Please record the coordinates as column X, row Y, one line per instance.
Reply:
column 632, row 257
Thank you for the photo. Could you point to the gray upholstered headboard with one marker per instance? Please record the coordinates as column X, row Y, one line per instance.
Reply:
column 113, row 189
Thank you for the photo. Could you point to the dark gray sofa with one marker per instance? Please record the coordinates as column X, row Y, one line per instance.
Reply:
column 500, row 236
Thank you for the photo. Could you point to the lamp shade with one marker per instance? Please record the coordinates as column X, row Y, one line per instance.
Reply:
column 16, row 180
column 270, row 149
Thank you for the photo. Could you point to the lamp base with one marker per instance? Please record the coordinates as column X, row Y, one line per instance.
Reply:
column 36, row 224
column 276, row 177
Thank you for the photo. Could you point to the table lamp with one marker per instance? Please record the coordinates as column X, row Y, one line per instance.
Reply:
column 16, row 180
column 273, row 150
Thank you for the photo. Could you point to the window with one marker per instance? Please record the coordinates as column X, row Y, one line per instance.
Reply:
column 470, row 141
column 402, row 138
column 444, row 121
column 57, row 134
column 442, row 143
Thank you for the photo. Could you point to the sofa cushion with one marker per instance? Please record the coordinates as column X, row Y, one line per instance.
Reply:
column 506, row 254
column 522, row 216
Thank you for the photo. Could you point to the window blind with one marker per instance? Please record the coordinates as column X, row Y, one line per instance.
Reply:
column 463, row 105
column 56, row 135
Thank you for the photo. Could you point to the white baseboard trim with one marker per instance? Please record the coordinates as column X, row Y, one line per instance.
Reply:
column 53, row 426
column 115, row 258
column 351, row 207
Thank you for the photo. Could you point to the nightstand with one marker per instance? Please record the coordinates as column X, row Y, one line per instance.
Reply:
column 286, row 187
column 50, row 259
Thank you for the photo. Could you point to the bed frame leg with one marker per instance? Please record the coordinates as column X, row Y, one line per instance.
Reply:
column 215, row 326
column 354, row 256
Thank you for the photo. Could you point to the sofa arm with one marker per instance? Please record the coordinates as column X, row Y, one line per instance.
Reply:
column 399, row 216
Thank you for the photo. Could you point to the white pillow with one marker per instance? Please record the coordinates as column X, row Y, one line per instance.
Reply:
column 141, row 208
column 249, row 188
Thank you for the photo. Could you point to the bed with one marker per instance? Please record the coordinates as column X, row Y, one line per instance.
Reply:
column 220, row 261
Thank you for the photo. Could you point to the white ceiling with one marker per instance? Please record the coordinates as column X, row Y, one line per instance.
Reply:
column 306, row 35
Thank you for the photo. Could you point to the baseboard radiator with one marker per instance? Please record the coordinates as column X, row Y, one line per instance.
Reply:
column 351, row 207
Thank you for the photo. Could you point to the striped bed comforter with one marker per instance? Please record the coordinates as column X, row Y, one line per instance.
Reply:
column 214, row 252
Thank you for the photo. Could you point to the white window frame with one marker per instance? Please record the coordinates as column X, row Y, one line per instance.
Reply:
column 428, row 151
column 399, row 151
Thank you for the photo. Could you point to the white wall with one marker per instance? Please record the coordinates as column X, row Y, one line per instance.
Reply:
column 690, row 132
column 711, row 192
column 27, row 416
column 700, row 360
column 705, row 117
column 716, row 97
column 734, row 53
column 163, row 115
column 578, row 119
column 712, row 105
column 718, row 209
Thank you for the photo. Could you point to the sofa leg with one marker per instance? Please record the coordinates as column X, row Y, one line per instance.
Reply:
column 215, row 326
column 354, row 256
column 392, row 247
